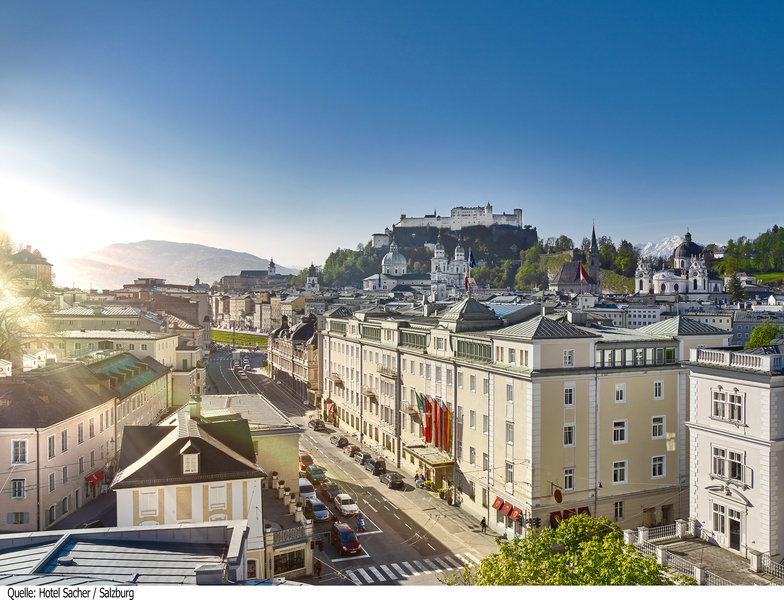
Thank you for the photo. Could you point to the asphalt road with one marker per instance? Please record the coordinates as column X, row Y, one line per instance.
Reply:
column 397, row 549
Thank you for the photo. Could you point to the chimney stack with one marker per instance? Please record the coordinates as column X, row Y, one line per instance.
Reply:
column 195, row 407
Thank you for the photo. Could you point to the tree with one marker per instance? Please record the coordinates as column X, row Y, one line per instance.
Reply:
column 734, row 287
column 764, row 334
column 583, row 550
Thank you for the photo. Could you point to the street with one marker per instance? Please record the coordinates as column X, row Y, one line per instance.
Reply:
column 407, row 541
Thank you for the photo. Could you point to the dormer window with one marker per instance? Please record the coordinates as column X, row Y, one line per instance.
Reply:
column 190, row 464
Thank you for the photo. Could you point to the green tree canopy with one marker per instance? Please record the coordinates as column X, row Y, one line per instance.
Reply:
column 764, row 334
column 583, row 550
column 734, row 287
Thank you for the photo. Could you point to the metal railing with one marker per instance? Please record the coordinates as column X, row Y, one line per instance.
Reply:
column 286, row 536
column 711, row 579
column 658, row 533
column 771, row 568
column 676, row 563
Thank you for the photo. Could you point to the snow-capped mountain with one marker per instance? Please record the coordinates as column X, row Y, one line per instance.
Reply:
column 664, row 248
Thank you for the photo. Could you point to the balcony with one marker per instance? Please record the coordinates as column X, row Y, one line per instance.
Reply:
column 386, row 372
column 369, row 392
column 409, row 408
column 335, row 378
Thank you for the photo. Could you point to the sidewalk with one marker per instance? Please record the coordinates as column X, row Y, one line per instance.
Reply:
column 104, row 508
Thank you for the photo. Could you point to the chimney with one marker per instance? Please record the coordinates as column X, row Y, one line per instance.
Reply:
column 195, row 407
column 577, row 317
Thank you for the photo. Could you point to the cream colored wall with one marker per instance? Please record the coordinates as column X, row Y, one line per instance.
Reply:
column 278, row 452
column 551, row 353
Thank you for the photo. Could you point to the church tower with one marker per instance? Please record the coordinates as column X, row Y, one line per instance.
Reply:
column 594, row 268
column 271, row 268
column 311, row 283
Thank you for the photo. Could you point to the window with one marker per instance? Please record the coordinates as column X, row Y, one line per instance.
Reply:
column 18, row 488
column 64, row 440
column 512, row 356
column 65, row 474
column 52, row 482
column 17, row 518
column 735, row 407
column 65, row 504
column 735, row 460
column 81, row 465
column 92, row 458
column 428, row 372
column 91, row 424
column 472, row 419
column 485, row 462
column 719, row 459
column 568, row 395
column 619, row 511
column 148, row 504
column 658, row 390
column 421, row 369
column 509, row 393
column 509, row 472
column 568, row 358
column 568, row 435
column 657, row 467
column 403, row 363
column 620, row 392
column 190, row 463
column 509, row 433
column 471, row 455
column 18, row 452
column 718, row 518
column 472, row 383
column 524, row 358
column 460, row 379
column 144, row 346
column 486, row 386
column 50, row 445
column 619, row 432
column 217, row 496
column 657, row 428
column 619, row 471
column 80, row 433
column 569, row 479
column 459, row 450
column 485, row 424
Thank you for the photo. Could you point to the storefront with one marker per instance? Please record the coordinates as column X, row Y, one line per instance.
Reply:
column 434, row 464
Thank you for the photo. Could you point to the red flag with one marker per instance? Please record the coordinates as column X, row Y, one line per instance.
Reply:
column 583, row 274
column 466, row 282
column 436, row 424
column 428, row 420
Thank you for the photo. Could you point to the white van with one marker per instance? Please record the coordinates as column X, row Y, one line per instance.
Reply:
column 306, row 489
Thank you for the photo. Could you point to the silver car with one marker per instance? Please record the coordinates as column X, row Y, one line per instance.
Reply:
column 318, row 509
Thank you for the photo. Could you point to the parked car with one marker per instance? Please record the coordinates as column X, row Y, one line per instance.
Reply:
column 344, row 539
column 330, row 489
column 361, row 457
column 346, row 505
column 306, row 489
column 338, row 440
column 394, row 481
column 376, row 466
column 317, row 509
column 351, row 449
column 317, row 425
column 315, row 474
column 305, row 459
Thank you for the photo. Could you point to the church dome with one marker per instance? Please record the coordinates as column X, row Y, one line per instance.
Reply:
column 687, row 248
column 393, row 257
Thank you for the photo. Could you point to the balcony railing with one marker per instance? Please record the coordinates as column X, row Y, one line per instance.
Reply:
column 408, row 407
column 369, row 392
column 386, row 371
column 335, row 378
column 738, row 360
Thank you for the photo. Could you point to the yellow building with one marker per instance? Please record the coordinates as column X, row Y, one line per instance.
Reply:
column 538, row 416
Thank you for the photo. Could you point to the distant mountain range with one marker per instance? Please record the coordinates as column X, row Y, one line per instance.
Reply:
column 665, row 247
column 117, row 264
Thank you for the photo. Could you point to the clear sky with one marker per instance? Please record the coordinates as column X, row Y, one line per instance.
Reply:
column 287, row 129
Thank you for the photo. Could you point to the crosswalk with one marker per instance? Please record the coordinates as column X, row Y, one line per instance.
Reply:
column 375, row 574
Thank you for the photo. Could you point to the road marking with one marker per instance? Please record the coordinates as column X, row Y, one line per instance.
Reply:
column 364, row 574
column 453, row 562
column 442, row 563
column 353, row 577
column 398, row 518
column 370, row 506
column 431, row 547
column 357, row 557
column 399, row 570
column 369, row 533
column 410, row 568
column 392, row 505
column 388, row 571
column 464, row 560
column 431, row 564
column 407, row 525
column 376, row 572
column 470, row 557
column 421, row 567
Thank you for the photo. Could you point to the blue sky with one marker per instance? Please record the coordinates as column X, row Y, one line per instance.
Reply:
column 287, row 129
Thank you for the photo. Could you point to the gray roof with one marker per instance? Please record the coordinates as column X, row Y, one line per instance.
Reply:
column 259, row 412
column 680, row 326
column 541, row 327
column 569, row 273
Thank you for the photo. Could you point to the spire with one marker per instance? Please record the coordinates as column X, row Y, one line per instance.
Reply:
column 594, row 245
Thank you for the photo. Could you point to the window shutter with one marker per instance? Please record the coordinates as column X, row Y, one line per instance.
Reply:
column 9, row 518
column 26, row 517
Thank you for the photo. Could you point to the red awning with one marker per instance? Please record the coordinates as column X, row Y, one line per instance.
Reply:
column 95, row 477
column 506, row 508
column 499, row 502
column 516, row 512
column 584, row 510
column 332, row 408
column 555, row 518
column 568, row 513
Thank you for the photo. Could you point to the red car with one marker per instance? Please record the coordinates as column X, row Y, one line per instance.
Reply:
column 305, row 460
column 351, row 450
column 344, row 539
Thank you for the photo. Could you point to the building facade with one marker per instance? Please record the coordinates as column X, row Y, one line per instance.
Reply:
column 464, row 216
column 293, row 358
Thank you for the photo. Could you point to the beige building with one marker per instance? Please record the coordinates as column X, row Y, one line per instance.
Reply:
column 540, row 416
column 70, row 343
column 104, row 317
column 189, row 375
column 293, row 358
column 196, row 469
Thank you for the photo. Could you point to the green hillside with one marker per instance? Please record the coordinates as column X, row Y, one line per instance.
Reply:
column 617, row 284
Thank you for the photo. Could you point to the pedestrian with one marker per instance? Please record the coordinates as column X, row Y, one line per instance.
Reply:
column 483, row 525
column 317, row 568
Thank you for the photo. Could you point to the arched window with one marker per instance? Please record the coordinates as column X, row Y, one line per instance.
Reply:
column 663, row 287
column 675, row 287
column 695, row 284
column 640, row 284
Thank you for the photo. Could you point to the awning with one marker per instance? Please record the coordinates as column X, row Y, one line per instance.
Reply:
column 95, row 477
column 555, row 518
column 584, row 510
column 506, row 508
column 331, row 407
column 515, row 514
column 568, row 513
column 499, row 502
column 431, row 456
